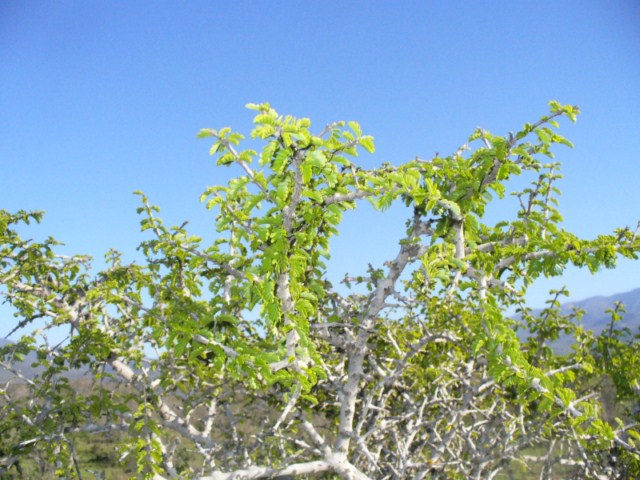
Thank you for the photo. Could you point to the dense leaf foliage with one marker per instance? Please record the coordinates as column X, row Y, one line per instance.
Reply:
column 240, row 359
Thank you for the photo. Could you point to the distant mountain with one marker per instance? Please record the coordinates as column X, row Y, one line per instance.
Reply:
column 595, row 317
column 26, row 369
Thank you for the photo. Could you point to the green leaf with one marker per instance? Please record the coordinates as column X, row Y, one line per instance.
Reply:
column 367, row 143
column 355, row 126
column 452, row 207
column 225, row 159
column 205, row 133
column 314, row 195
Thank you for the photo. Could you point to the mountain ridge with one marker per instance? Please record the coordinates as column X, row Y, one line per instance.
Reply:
column 596, row 318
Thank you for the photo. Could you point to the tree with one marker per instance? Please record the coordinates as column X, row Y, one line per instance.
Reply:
column 264, row 369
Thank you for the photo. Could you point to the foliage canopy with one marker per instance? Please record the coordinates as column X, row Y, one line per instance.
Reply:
column 264, row 369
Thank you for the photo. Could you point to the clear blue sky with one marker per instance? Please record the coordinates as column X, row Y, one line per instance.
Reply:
column 98, row 99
